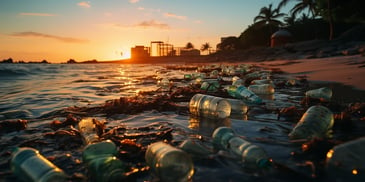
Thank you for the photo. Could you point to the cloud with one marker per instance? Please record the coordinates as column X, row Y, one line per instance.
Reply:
column 36, row 14
column 153, row 24
column 140, row 8
column 172, row 15
column 133, row 1
column 85, row 4
column 42, row 35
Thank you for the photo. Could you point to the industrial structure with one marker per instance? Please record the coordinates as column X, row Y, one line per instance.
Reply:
column 159, row 48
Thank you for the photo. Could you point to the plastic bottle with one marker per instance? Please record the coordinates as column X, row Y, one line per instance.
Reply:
column 188, row 76
column 324, row 93
column 211, row 85
column 237, row 81
column 169, row 163
column 345, row 162
column 164, row 84
column 99, row 156
column 238, row 107
column 195, row 148
column 209, row 106
column 214, row 74
column 264, row 89
column 252, row 156
column 317, row 121
column 241, row 92
column 29, row 165
column 102, row 163
column 87, row 129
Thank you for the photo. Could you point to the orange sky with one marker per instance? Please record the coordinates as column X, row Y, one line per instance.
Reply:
column 57, row 30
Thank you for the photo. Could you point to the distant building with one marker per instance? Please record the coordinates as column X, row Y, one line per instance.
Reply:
column 280, row 37
column 139, row 52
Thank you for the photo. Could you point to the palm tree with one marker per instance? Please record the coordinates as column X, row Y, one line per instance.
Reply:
column 290, row 20
column 269, row 16
column 206, row 47
column 189, row 45
column 300, row 6
column 303, row 5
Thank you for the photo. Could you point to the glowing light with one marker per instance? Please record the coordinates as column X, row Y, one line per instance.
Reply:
column 354, row 172
column 330, row 154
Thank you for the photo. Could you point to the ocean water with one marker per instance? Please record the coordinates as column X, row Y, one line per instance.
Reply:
column 36, row 91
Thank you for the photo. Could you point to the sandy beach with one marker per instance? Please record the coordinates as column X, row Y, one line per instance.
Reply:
column 348, row 70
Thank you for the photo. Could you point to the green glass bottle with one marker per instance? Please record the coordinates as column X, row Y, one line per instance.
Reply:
column 100, row 156
column 29, row 165
column 102, row 163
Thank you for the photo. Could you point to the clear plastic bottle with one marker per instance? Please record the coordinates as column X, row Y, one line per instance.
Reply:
column 264, row 89
column 29, row 165
column 209, row 106
column 87, row 129
column 238, row 107
column 317, row 121
column 345, row 162
column 169, row 163
column 324, row 93
column 102, row 163
column 241, row 92
column 252, row 156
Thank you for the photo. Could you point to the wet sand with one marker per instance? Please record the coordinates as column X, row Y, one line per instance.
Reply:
column 349, row 70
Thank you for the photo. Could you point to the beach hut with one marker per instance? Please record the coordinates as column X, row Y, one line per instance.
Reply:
column 280, row 37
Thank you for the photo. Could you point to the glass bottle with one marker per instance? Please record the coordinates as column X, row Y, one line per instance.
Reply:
column 102, row 163
column 99, row 156
column 209, row 106
column 29, row 165
column 169, row 163
column 241, row 92
column 252, row 156
column 264, row 89
column 317, row 121
column 212, row 85
column 345, row 162
column 324, row 93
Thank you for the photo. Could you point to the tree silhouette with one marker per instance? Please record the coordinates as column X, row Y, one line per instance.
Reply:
column 303, row 5
column 189, row 45
column 269, row 16
column 206, row 47
column 290, row 20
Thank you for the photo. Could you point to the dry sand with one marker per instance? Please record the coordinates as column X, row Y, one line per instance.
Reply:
column 349, row 70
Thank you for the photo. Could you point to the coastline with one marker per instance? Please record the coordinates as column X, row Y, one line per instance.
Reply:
column 348, row 70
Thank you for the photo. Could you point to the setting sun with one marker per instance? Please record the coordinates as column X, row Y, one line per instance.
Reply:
column 107, row 30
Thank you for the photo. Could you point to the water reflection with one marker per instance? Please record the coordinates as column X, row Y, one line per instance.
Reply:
column 206, row 126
